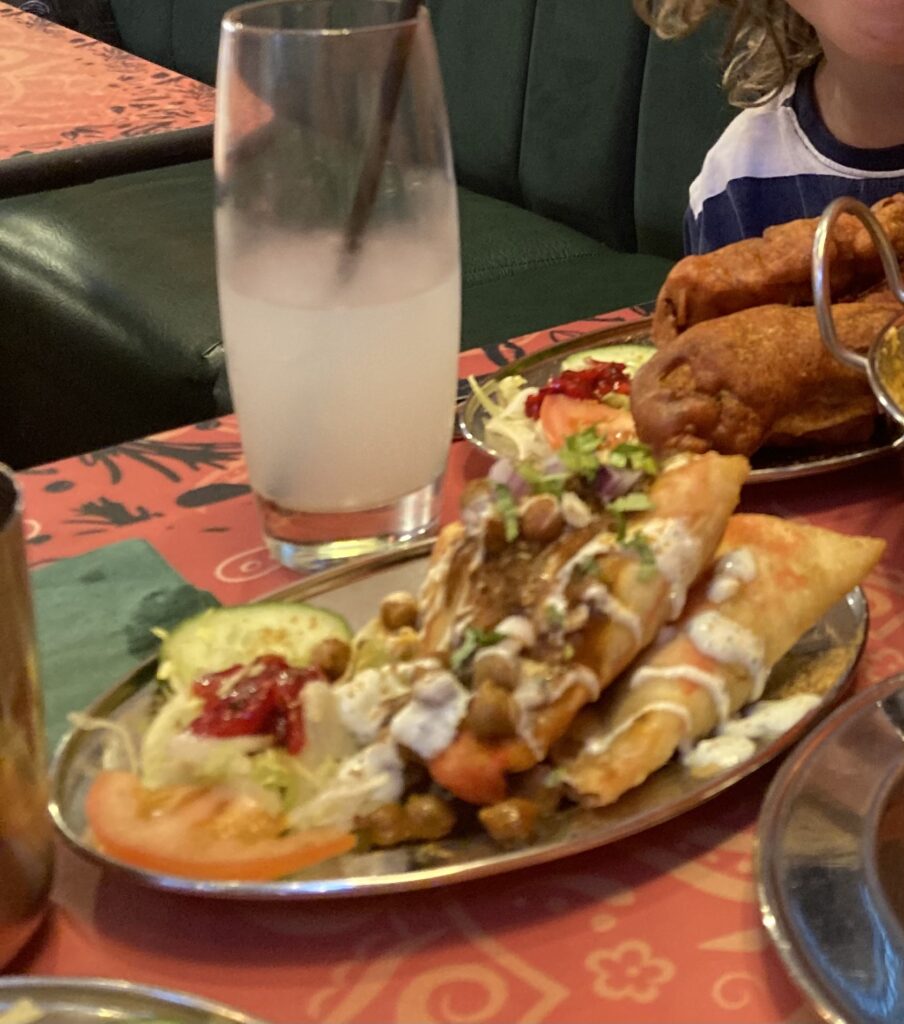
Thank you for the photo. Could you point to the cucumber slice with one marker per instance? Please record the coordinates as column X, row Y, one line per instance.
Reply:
column 633, row 356
column 221, row 637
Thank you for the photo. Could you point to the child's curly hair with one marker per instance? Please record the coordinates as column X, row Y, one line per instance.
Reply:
column 767, row 42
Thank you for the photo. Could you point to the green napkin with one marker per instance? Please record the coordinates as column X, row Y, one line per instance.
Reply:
column 94, row 616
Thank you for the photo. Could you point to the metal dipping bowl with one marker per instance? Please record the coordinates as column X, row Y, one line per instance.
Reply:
column 884, row 362
column 26, row 849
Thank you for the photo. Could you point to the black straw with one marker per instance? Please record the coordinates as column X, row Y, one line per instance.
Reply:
column 375, row 153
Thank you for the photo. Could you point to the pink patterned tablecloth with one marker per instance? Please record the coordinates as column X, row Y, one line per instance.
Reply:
column 60, row 89
column 663, row 927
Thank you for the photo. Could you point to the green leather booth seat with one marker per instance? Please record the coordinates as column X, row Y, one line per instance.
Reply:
column 575, row 138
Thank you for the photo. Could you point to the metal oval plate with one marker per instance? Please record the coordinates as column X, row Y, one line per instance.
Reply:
column 768, row 465
column 96, row 1000
column 830, row 860
column 828, row 653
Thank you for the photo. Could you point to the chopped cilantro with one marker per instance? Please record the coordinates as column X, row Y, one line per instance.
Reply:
column 633, row 455
column 542, row 483
column 555, row 616
column 579, row 453
column 587, row 567
column 505, row 502
column 473, row 640
column 640, row 545
column 635, row 501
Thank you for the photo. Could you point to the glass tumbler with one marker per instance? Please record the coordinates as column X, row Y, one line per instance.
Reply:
column 26, row 847
column 338, row 270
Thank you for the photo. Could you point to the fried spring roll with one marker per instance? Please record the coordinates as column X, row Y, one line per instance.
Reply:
column 629, row 587
column 771, row 582
column 755, row 377
column 773, row 269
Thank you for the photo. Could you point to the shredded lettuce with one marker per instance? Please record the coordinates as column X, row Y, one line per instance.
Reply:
column 508, row 428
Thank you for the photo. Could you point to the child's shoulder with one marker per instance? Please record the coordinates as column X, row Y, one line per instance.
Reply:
column 761, row 142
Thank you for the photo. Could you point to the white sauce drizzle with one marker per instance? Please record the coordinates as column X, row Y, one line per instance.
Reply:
column 769, row 719
column 764, row 721
column 732, row 569
column 596, row 745
column 677, row 552
column 602, row 598
column 429, row 721
column 718, row 753
column 537, row 689
column 368, row 699
column 714, row 684
column 598, row 595
column 729, row 642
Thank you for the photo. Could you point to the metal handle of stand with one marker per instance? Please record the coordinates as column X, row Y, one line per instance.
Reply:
column 822, row 297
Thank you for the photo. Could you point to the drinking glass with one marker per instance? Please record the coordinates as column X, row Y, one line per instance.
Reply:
column 26, row 849
column 338, row 269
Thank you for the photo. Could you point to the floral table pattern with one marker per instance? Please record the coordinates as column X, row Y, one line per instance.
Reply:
column 662, row 927
column 60, row 89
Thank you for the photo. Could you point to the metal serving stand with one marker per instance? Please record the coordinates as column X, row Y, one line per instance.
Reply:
column 883, row 364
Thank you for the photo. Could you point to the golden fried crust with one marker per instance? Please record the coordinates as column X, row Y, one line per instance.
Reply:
column 773, row 269
column 760, row 375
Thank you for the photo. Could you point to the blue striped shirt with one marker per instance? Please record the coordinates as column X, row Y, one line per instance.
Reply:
column 779, row 162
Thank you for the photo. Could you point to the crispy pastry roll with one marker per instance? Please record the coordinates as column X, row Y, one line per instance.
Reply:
column 566, row 615
column 757, row 377
column 773, row 269
column 772, row 580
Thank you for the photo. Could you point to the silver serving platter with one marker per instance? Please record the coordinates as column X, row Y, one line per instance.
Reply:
column 95, row 1000
column 768, row 464
column 830, row 860
column 825, row 659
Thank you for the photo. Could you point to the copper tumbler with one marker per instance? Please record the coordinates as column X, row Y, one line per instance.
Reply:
column 26, row 838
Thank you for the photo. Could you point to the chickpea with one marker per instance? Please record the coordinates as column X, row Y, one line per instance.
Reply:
column 387, row 825
column 511, row 821
column 541, row 518
column 541, row 786
column 490, row 713
column 398, row 610
column 428, row 816
column 332, row 656
column 496, row 666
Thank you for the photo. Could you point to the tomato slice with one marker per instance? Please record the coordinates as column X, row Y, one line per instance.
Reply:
column 203, row 832
column 562, row 416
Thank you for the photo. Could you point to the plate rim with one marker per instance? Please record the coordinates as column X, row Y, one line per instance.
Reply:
column 771, row 898
column 23, row 986
column 624, row 333
column 432, row 877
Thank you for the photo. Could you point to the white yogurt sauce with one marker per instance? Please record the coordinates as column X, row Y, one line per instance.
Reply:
column 769, row 719
column 429, row 721
column 718, row 753
column 714, row 684
column 677, row 553
column 732, row 569
column 730, row 643
column 368, row 699
column 764, row 721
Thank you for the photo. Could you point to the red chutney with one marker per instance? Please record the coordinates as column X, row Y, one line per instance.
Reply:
column 265, row 700
column 593, row 383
